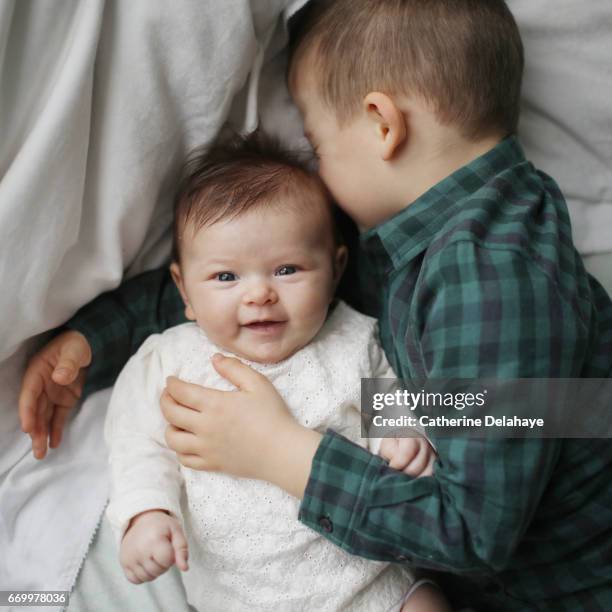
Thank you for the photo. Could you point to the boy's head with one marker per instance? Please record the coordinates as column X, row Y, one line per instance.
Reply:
column 400, row 68
column 256, row 255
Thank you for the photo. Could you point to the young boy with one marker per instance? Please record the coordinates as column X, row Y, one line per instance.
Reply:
column 412, row 107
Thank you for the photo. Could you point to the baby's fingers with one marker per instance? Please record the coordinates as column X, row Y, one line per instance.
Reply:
column 141, row 573
column 181, row 551
column 131, row 576
column 153, row 568
column 163, row 552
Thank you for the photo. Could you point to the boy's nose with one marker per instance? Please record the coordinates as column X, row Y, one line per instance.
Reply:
column 260, row 293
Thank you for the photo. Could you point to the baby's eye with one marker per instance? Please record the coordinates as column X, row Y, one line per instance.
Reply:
column 225, row 276
column 284, row 270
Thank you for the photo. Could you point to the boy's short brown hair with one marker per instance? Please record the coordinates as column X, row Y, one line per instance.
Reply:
column 464, row 57
column 240, row 173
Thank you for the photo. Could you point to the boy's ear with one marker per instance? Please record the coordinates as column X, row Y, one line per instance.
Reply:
column 340, row 262
column 175, row 271
column 389, row 122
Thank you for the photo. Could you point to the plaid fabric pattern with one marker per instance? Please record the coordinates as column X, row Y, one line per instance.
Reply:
column 117, row 322
column 479, row 278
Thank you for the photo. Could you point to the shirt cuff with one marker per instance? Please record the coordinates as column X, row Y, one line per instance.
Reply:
column 334, row 500
column 110, row 348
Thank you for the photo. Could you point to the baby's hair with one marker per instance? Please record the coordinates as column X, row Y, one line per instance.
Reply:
column 463, row 57
column 240, row 173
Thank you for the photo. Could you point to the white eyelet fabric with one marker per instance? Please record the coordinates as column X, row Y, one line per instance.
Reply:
column 247, row 550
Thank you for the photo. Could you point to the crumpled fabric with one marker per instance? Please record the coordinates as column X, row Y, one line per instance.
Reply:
column 100, row 100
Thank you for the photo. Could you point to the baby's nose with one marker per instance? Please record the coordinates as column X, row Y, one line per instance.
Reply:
column 260, row 293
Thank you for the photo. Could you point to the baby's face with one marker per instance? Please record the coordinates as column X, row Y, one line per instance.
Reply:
column 259, row 285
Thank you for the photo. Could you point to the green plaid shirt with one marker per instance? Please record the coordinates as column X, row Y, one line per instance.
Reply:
column 478, row 278
column 117, row 322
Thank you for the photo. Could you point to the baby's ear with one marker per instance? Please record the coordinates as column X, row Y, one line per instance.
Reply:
column 340, row 261
column 389, row 122
column 177, row 277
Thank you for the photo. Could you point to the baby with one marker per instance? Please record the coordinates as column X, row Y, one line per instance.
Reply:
column 256, row 261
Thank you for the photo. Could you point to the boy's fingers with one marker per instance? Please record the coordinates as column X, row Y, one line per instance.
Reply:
column 387, row 448
column 405, row 453
column 195, row 462
column 180, row 441
column 178, row 415
column 48, row 417
column 238, row 373
column 32, row 387
column 418, row 465
column 63, row 396
column 60, row 416
column 65, row 371
column 191, row 396
column 40, row 433
column 429, row 470
column 398, row 461
column 74, row 355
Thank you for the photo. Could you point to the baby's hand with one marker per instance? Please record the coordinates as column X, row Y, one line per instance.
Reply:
column 153, row 542
column 413, row 456
column 51, row 387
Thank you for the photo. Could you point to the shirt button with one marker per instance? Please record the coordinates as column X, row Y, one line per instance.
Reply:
column 326, row 523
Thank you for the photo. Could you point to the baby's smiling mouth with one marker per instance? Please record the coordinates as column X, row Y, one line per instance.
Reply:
column 265, row 326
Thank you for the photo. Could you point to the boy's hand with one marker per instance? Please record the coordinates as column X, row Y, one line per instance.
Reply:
column 248, row 432
column 413, row 456
column 153, row 542
column 51, row 386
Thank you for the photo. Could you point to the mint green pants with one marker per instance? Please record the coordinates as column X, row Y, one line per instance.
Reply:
column 102, row 587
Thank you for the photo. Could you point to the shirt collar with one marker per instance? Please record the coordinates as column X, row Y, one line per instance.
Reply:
column 410, row 231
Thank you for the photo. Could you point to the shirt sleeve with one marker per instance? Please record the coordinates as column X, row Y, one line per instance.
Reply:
column 117, row 322
column 379, row 367
column 501, row 317
column 144, row 472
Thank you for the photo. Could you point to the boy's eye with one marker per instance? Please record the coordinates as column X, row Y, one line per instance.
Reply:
column 284, row 270
column 225, row 276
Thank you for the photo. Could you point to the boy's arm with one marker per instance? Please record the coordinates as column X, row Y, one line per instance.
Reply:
column 117, row 322
column 472, row 513
column 410, row 451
